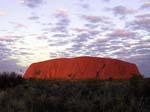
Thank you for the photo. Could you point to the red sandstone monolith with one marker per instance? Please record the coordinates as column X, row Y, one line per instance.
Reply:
column 82, row 68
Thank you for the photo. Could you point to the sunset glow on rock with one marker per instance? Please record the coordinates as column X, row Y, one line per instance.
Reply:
column 82, row 68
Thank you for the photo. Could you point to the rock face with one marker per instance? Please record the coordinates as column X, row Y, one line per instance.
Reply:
column 82, row 68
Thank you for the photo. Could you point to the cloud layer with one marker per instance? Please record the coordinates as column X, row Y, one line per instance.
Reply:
column 31, row 3
column 37, row 30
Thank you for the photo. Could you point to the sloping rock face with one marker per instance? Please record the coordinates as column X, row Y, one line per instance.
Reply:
column 82, row 68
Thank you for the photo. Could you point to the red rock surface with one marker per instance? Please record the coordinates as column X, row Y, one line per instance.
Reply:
column 82, row 68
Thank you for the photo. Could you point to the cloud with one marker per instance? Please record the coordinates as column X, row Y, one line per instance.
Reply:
column 33, row 17
column 81, row 40
column 18, row 25
column 82, row 37
column 94, row 32
column 2, row 13
column 79, row 29
column 121, row 10
column 103, row 39
column 6, row 50
column 94, row 19
column 85, row 32
column 95, row 22
column 79, row 43
column 9, row 39
column 42, row 37
column 143, row 16
column 106, row 0
column 100, row 42
column 76, row 49
column 121, row 33
column 63, row 21
column 97, row 47
column 31, row 3
column 61, row 29
column 145, row 5
column 10, row 65
column 91, row 26
column 61, row 13
column 85, row 6
column 60, row 35
column 141, row 22
column 58, row 43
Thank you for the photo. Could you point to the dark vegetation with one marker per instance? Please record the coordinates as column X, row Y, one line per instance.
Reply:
column 9, row 80
column 94, row 95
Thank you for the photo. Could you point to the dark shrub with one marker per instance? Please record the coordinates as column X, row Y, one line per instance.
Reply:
column 8, row 80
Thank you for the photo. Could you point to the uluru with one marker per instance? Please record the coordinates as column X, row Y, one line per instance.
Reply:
column 82, row 68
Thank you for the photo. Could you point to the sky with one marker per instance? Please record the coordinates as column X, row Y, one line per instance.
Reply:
column 38, row 30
